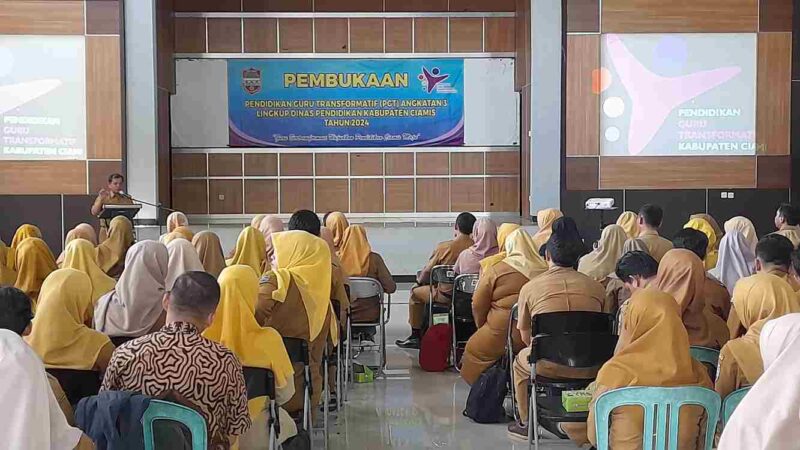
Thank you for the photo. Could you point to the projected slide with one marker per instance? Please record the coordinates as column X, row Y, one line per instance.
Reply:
column 677, row 94
column 42, row 97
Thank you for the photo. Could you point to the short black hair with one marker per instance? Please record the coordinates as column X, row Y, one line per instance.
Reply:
column 116, row 176
column 790, row 213
column 652, row 214
column 465, row 222
column 15, row 310
column 636, row 263
column 691, row 239
column 195, row 293
column 775, row 249
column 305, row 220
column 564, row 250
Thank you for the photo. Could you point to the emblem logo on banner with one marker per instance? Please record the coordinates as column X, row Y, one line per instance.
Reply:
column 251, row 80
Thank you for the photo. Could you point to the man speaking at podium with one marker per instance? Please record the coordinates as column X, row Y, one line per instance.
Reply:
column 112, row 194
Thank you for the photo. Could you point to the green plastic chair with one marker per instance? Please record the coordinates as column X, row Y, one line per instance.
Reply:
column 731, row 402
column 708, row 356
column 656, row 401
column 161, row 410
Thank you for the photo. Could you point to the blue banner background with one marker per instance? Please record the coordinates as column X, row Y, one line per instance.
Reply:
column 445, row 127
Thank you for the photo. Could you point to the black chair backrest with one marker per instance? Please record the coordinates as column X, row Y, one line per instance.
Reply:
column 260, row 382
column 77, row 384
column 297, row 349
column 564, row 322
column 443, row 274
column 576, row 350
column 463, row 289
column 466, row 283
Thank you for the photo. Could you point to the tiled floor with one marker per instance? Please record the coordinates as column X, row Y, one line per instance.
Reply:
column 413, row 409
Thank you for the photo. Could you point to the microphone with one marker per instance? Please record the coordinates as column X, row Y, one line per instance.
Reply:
column 123, row 194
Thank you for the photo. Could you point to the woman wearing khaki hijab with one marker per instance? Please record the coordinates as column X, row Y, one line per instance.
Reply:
column 34, row 263
column 81, row 231
column 267, row 225
column 182, row 258
column 600, row 263
column 629, row 221
column 337, row 223
column 111, row 252
column 7, row 275
column 545, row 219
column 209, row 250
column 174, row 220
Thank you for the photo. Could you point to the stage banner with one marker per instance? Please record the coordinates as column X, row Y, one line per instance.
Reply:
column 345, row 102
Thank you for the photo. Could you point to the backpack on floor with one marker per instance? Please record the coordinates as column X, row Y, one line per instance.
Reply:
column 434, row 350
column 487, row 394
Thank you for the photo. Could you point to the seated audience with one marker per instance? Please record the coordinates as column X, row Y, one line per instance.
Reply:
column 256, row 220
column 718, row 232
column 337, row 223
column 560, row 288
column 445, row 253
column 80, row 255
column 716, row 296
column 59, row 334
column 629, row 221
column 174, row 220
column 134, row 308
column 111, row 252
column 767, row 417
column 497, row 292
column 503, row 231
column 178, row 363
column 358, row 260
column 634, row 271
column 294, row 298
column 484, row 234
column 81, row 231
column 794, row 272
column 179, row 233
column 544, row 220
column 757, row 299
column 209, row 250
column 682, row 275
column 23, row 232
column 599, row 264
column 234, row 326
column 786, row 221
column 736, row 260
column 8, row 276
column 654, row 352
column 34, row 262
column 650, row 218
column 744, row 226
column 270, row 224
column 251, row 250
column 712, row 245
column 182, row 258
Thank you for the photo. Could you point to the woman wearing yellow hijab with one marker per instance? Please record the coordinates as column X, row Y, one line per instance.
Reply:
column 60, row 335
column 34, row 263
column 703, row 226
column 79, row 255
column 23, row 232
column 523, row 255
column 7, row 275
column 503, row 231
column 236, row 328
column 629, row 221
column 111, row 252
column 251, row 250
column 757, row 299
column 545, row 219
column 601, row 262
column 354, row 251
column 337, row 223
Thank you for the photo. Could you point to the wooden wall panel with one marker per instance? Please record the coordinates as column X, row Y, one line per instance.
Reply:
column 103, row 16
column 225, row 197
column 775, row 15
column 366, row 35
column 366, row 164
column 331, row 164
column 225, row 164
column 99, row 172
column 296, row 164
column 466, row 194
column 41, row 17
column 399, row 163
column 502, row 194
column 416, row 5
column 679, row 16
column 189, row 165
column 207, row 5
column 347, row 6
column 277, row 5
column 499, row 34
column 774, row 172
column 330, row 35
column 103, row 97
column 43, row 177
column 163, row 151
column 583, row 16
column 502, row 163
column 677, row 172
column 466, row 34
column 482, row 5
column 582, row 173
column 296, row 194
column 260, row 35
column 264, row 164
column 773, row 97
column 433, row 195
column 190, row 35
column 431, row 163
column 260, row 196
column 296, row 35
column 399, row 35
column 332, row 195
column 399, row 195
column 522, row 43
column 366, row 195
column 430, row 35
column 224, row 35
column 583, row 103
column 165, row 47
column 466, row 163
column 190, row 196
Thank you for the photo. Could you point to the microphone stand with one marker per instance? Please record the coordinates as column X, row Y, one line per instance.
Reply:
column 156, row 205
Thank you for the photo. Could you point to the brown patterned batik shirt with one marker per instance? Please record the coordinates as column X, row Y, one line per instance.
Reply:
column 178, row 362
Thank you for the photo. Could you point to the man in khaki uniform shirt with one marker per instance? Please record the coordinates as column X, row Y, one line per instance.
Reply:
column 110, row 195
column 561, row 288
column 650, row 217
column 787, row 221
column 446, row 253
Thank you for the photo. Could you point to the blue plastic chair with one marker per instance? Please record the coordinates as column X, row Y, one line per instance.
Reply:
column 161, row 410
column 708, row 356
column 656, row 401
column 731, row 402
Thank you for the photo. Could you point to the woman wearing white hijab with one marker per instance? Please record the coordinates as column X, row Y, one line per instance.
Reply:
column 736, row 260
column 768, row 418
column 182, row 258
column 174, row 220
column 32, row 419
